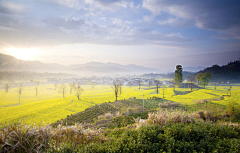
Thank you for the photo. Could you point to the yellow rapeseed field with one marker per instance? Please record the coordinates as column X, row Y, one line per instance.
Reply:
column 49, row 105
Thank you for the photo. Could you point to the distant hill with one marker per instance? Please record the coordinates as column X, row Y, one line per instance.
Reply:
column 225, row 73
column 10, row 63
column 113, row 67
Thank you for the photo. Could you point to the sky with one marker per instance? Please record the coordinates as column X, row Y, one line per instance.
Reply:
column 152, row 33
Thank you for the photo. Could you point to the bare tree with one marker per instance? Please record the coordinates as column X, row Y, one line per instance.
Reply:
column 78, row 91
column 55, row 85
column 121, row 84
column 6, row 87
column 92, row 84
column 19, row 90
column 130, row 84
column 230, row 88
column 72, row 87
column 158, row 84
column 139, row 83
column 191, row 80
column 116, row 87
column 62, row 89
column 36, row 89
column 150, row 83
column 163, row 88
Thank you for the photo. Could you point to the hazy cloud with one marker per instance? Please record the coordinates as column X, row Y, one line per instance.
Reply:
column 65, row 23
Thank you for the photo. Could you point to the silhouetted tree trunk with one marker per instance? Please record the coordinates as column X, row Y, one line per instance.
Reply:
column 6, row 87
column 78, row 91
column 62, row 89
column 139, row 83
column 158, row 84
column 19, row 91
column 164, row 87
column 36, row 89
column 116, row 87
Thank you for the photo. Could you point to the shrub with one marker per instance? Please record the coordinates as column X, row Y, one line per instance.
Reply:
column 233, row 108
column 199, row 137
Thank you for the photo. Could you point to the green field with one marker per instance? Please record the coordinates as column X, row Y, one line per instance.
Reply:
column 49, row 106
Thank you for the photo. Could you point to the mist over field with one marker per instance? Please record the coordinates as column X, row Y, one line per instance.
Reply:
column 119, row 76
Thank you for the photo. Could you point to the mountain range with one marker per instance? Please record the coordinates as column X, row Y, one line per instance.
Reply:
column 10, row 63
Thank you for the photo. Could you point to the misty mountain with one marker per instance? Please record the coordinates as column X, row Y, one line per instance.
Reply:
column 10, row 63
column 115, row 66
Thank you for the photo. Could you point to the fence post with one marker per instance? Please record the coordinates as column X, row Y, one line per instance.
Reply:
column 143, row 102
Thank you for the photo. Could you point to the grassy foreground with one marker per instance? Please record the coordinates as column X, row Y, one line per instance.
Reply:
column 165, row 132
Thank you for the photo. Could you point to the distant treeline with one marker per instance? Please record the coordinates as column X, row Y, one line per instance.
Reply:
column 222, row 74
column 169, row 75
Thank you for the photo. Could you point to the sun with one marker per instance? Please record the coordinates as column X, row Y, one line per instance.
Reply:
column 23, row 53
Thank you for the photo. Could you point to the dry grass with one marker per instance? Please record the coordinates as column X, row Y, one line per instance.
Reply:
column 205, row 114
column 163, row 117
column 118, row 113
column 24, row 138
column 202, row 101
column 105, row 116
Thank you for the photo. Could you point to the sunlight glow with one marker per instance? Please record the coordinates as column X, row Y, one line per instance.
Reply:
column 23, row 53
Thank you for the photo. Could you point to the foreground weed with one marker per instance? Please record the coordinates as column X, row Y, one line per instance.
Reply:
column 23, row 138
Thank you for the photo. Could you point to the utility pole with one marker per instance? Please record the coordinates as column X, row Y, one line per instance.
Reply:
column 143, row 102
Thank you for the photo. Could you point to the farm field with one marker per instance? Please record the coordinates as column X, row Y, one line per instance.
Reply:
column 49, row 106
column 209, row 94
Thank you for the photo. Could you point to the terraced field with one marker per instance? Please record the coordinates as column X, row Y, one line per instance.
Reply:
column 92, row 114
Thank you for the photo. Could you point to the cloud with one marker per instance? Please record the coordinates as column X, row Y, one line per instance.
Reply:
column 112, row 5
column 176, row 22
column 76, row 4
column 220, row 16
column 11, row 7
column 69, row 24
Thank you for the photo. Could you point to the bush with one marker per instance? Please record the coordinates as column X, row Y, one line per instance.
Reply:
column 199, row 137
column 233, row 108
